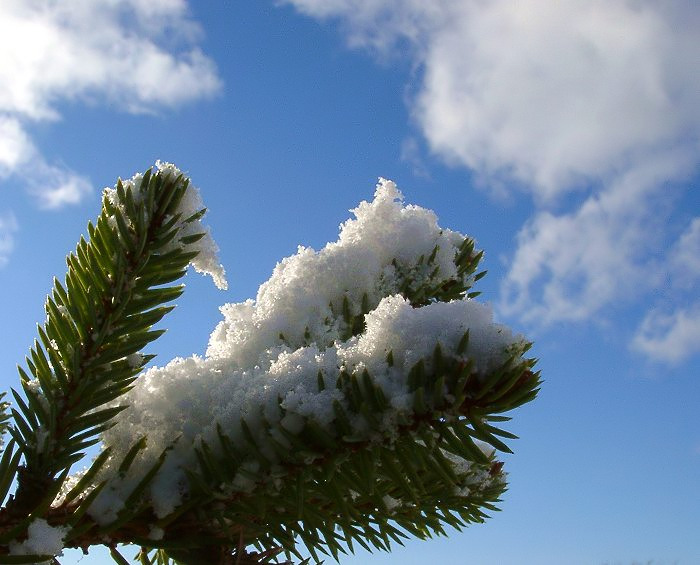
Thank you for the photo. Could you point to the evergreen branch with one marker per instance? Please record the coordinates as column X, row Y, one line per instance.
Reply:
column 4, row 418
column 274, row 485
column 97, row 322
column 429, row 474
column 397, row 450
column 415, row 471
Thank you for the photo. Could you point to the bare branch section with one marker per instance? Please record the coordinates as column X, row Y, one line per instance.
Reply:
column 357, row 401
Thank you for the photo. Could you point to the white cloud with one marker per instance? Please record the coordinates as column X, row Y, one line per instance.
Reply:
column 15, row 146
column 670, row 337
column 610, row 248
column 594, row 97
column 685, row 257
column 411, row 154
column 54, row 187
column 672, row 333
column 8, row 225
column 553, row 93
column 137, row 55
column 380, row 24
column 546, row 93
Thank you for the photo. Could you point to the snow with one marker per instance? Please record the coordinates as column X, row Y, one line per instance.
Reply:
column 33, row 387
column 206, row 262
column 135, row 360
column 299, row 293
column 411, row 334
column 42, row 539
column 390, row 503
column 268, row 353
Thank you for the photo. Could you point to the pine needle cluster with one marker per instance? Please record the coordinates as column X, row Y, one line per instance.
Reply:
column 326, row 488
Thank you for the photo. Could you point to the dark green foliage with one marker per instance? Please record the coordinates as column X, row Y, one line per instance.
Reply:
column 329, row 488
column 87, row 354
column 332, row 487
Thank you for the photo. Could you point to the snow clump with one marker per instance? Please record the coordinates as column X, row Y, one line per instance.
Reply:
column 42, row 539
column 268, row 353
column 206, row 261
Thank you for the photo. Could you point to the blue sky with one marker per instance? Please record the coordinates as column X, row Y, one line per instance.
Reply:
column 563, row 136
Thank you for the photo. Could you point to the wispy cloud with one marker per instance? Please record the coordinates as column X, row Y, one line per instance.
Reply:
column 15, row 146
column 139, row 56
column 412, row 155
column 685, row 257
column 593, row 98
column 8, row 225
column 610, row 248
column 55, row 186
column 671, row 333
column 670, row 337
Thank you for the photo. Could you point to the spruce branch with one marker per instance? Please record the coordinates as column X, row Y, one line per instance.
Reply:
column 357, row 481
column 369, row 491
column 391, row 450
column 89, row 348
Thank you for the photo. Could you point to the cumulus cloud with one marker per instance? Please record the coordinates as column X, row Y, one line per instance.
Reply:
column 139, row 56
column 133, row 53
column 555, row 93
column 592, row 98
column 546, row 93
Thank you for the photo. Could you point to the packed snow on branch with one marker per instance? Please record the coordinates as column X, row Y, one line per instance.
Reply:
column 267, row 353
column 206, row 261
column 42, row 539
